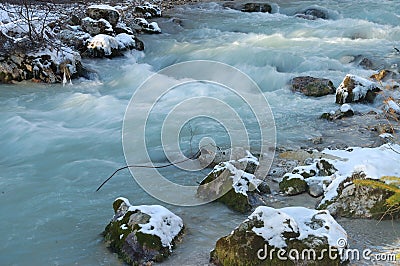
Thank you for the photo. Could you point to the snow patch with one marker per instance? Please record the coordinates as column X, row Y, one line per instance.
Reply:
column 163, row 223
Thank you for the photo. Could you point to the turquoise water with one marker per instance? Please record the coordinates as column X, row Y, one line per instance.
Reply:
column 59, row 143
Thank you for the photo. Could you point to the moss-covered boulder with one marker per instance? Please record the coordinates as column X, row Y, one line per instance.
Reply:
column 229, row 185
column 356, row 198
column 141, row 234
column 293, row 185
column 311, row 86
column 269, row 236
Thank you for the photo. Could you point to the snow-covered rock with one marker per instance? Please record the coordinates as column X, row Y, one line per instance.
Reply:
column 142, row 234
column 356, row 89
column 230, row 184
column 285, row 230
column 342, row 197
column 147, row 8
column 344, row 111
column 301, row 177
column 107, row 46
column 106, row 12
column 311, row 86
column 335, row 171
column 148, row 27
column 94, row 27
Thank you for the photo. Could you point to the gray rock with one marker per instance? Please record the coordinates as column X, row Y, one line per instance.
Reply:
column 315, row 189
column 312, row 14
column 311, row 86
column 249, row 7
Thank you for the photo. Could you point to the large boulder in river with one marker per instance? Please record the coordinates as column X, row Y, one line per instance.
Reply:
column 356, row 89
column 142, row 234
column 311, row 86
column 313, row 14
column 249, row 7
column 106, row 12
column 269, row 235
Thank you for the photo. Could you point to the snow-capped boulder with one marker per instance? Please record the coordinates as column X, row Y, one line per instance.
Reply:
column 107, row 46
column 356, row 89
column 269, row 234
column 230, row 184
column 311, row 86
column 344, row 111
column 142, row 234
column 95, row 27
column 148, row 27
column 147, row 8
column 106, row 12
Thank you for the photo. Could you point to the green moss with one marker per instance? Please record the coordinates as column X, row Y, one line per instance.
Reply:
column 149, row 241
column 116, row 204
column 236, row 201
column 293, row 186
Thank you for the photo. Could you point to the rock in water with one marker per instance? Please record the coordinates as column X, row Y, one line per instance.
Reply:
column 232, row 181
column 142, row 234
column 312, row 14
column 311, row 86
column 257, row 7
column 249, row 7
column 356, row 89
column 344, row 111
column 285, row 230
column 229, row 185
column 106, row 12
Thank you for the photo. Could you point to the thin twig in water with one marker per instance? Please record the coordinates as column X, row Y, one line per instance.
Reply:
column 147, row 166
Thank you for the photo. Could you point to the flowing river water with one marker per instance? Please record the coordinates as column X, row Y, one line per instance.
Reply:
column 59, row 143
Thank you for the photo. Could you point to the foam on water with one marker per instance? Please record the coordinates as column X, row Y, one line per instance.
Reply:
column 59, row 143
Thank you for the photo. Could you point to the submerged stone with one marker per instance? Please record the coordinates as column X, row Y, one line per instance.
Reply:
column 311, row 86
